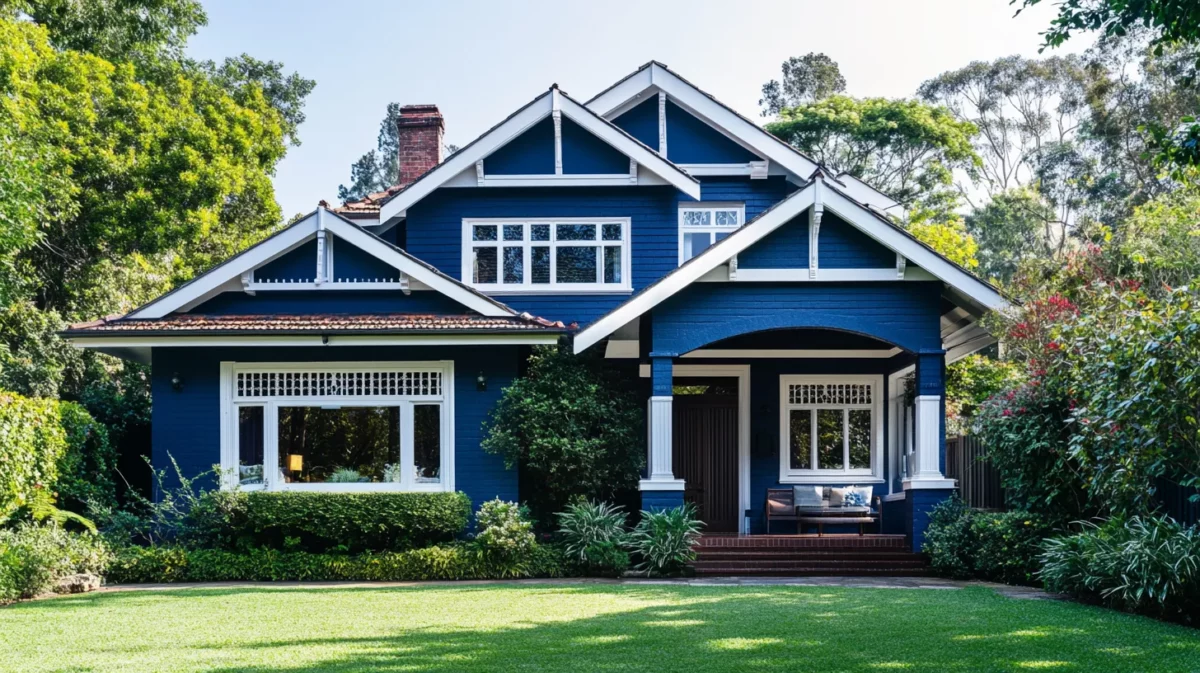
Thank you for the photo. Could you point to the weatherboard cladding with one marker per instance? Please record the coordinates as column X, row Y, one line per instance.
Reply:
column 433, row 231
column 585, row 154
column 298, row 264
column 840, row 246
column 692, row 141
column 185, row 423
column 902, row 314
column 641, row 122
column 531, row 153
column 350, row 263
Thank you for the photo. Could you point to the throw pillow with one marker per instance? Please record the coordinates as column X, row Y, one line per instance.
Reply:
column 809, row 496
column 854, row 498
column 837, row 496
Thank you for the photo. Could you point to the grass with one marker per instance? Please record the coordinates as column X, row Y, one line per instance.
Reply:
column 582, row 628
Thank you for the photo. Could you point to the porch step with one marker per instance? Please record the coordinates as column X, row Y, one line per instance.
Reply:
column 798, row 555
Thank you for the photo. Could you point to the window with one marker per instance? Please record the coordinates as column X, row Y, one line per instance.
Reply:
column 547, row 255
column 338, row 427
column 831, row 428
column 703, row 224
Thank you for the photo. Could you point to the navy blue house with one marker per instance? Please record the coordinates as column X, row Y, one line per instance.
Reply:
column 789, row 333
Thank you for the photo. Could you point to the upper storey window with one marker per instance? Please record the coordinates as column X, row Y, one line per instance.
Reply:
column 704, row 224
column 547, row 255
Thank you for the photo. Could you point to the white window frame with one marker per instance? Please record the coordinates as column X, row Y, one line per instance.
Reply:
column 711, row 206
column 553, row 287
column 271, row 475
column 871, row 475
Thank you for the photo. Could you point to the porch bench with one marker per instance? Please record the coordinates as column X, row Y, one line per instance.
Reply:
column 819, row 516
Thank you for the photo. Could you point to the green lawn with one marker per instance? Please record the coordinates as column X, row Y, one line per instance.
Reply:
column 582, row 628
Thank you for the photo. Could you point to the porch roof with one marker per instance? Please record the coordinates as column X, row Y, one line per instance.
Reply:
column 187, row 324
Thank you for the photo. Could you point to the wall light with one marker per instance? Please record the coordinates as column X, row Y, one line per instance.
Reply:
column 481, row 382
column 176, row 382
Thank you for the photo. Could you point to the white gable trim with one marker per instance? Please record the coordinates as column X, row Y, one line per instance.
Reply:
column 852, row 212
column 543, row 106
column 217, row 280
column 615, row 100
column 695, row 268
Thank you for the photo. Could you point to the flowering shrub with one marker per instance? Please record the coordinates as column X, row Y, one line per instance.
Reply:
column 504, row 529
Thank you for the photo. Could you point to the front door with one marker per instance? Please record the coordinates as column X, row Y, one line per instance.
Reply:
column 704, row 448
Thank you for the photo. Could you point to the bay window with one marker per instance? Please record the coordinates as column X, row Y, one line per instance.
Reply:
column 547, row 255
column 703, row 224
column 338, row 426
column 830, row 429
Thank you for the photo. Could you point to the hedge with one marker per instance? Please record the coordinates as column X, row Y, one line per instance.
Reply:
column 87, row 466
column 165, row 564
column 963, row 543
column 31, row 442
column 355, row 522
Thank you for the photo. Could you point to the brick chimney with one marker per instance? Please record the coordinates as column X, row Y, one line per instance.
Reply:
column 421, row 128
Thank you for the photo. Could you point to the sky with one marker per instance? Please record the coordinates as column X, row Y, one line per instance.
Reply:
column 479, row 61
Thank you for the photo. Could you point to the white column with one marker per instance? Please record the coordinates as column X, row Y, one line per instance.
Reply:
column 927, row 421
column 662, row 478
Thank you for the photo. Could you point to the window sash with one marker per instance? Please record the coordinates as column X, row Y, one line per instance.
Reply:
column 816, row 472
column 272, row 478
column 712, row 229
column 617, row 260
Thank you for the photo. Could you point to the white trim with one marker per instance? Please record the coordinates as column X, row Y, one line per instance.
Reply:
column 520, row 122
column 803, row 275
column 814, row 353
column 315, row 340
column 707, row 109
column 299, row 233
column 660, row 485
column 895, row 412
column 814, row 229
column 901, row 266
column 271, row 405
column 695, row 268
column 557, row 180
column 872, row 475
column 713, row 228
column 742, row 374
column 662, row 123
column 661, row 422
column 755, row 169
column 928, row 419
column 852, row 212
column 527, row 286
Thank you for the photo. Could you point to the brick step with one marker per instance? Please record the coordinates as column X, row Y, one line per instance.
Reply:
column 824, row 543
column 805, row 563
column 771, row 571
column 847, row 556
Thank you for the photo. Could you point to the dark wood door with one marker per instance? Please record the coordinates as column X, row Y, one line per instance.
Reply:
column 704, row 455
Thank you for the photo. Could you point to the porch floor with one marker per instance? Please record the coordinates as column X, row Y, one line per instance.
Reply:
column 807, row 555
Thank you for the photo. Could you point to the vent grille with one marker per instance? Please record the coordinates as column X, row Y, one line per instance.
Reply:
column 337, row 384
column 830, row 393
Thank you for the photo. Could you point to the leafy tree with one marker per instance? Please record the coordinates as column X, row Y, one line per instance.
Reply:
column 245, row 77
column 806, row 79
column 1015, row 226
column 1020, row 106
column 949, row 237
column 573, row 426
column 905, row 148
column 114, row 29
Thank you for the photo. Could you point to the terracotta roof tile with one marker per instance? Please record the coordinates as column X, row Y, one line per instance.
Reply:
column 317, row 323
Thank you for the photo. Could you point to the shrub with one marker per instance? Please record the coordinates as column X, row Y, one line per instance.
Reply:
column 35, row 556
column 86, row 467
column 31, row 443
column 1145, row 564
column 357, row 521
column 664, row 539
column 504, row 529
column 574, row 426
column 1008, row 546
column 171, row 563
column 594, row 535
column 962, row 543
column 949, row 543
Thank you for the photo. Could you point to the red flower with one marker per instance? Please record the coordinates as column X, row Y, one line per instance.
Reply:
column 1007, row 412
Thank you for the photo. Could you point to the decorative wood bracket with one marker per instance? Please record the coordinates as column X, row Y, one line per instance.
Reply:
column 404, row 285
column 558, row 164
column 317, row 279
column 662, row 124
column 479, row 172
column 247, row 280
column 758, row 169
column 633, row 171
column 901, row 264
column 733, row 268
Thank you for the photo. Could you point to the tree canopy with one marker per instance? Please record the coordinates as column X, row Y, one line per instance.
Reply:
column 806, row 79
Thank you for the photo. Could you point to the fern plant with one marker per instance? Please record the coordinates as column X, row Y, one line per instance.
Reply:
column 666, row 539
column 586, row 523
column 344, row 475
column 42, row 507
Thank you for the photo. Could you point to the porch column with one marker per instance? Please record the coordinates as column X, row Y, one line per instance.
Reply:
column 928, row 486
column 661, row 489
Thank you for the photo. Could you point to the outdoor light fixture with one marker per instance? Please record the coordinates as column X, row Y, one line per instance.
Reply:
column 481, row 382
column 176, row 382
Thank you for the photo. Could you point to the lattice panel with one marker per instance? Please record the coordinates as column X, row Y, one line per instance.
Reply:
column 336, row 384
column 830, row 393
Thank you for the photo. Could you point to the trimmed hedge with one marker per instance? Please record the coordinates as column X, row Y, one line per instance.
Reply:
column 963, row 543
column 317, row 522
column 31, row 442
column 164, row 564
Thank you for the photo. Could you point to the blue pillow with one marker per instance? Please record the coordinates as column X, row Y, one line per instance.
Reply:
column 854, row 498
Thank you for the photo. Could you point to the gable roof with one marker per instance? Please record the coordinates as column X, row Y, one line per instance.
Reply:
column 819, row 189
column 218, row 279
column 516, row 124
